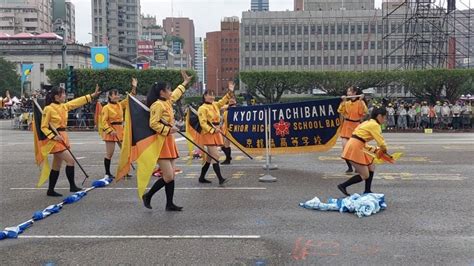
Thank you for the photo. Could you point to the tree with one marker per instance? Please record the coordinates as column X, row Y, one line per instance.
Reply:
column 9, row 79
column 117, row 78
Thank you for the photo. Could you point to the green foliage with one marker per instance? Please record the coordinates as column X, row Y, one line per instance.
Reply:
column 9, row 79
column 119, row 79
column 269, row 86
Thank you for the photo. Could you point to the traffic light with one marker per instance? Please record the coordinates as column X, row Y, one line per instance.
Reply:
column 71, row 80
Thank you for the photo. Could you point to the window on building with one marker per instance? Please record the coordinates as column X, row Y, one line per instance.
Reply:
column 286, row 61
column 267, row 61
column 379, row 59
column 339, row 46
column 339, row 28
column 273, row 46
column 366, row 60
column 325, row 46
column 273, row 61
column 359, row 29
column 267, row 46
column 286, row 46
column 392, row 60
column 293, row 46
column 372, row 27
column 353, row 28
column 266, row 30
column 346, row 60
column 247, row 46
column 293, row 61
column 333, row 29
column 253, row 30
column 305, row 30
column 300, row 61
column 319, row 29
column 305, row 61
column 279, row 30
column 332, row 60
column 366, row 45
column 331, row 46
column 260, row 46
column 326, row 29
column 325, row 60
column 59, row 66
column 359, row 45
column 280, row 61
column 273, row 30
column 393, row 44
column 292, row 29
column 280, row 46
column 312, row 60
column 260, row 30
column 299, row 46
column 346, row 45
column 260, row 61
column 254, row 61
column 318, row 46
column 372, row 59
column 346, row 28
column 247, row 61
column 318, row 60
column 400, row 59
column 313, row 29
column 246, row 31
column 366, row 27
column 299, row 29
column 352, row 45
column 352, row 60
column 379, row 29
column 254, row 46
column 286, row 30
column 339, row 60
column 313, row 46
column 372, row 45
column 306, row 46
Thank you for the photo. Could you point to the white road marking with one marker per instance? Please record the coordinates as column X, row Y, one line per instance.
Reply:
column 133, row 188
column 139, row 236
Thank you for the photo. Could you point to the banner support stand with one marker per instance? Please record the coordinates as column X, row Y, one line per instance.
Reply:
column 267, row 177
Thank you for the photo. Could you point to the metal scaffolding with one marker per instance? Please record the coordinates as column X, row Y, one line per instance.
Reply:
column 423, row 34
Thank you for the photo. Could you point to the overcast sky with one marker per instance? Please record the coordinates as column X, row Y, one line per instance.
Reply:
column 206, row 14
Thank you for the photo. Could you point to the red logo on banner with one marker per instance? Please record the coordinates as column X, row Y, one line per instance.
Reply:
column 282, row 128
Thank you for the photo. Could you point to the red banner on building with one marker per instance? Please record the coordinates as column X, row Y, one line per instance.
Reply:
column 145, row 48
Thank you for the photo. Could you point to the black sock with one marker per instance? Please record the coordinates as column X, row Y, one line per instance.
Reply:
column 217, row 170
column 229, row 151
column 368, row 182
column 157, row 186
column 204, row 169
column 349, row 165
column 70, row 177
column 107, row 166
column 353, row 180
column 53, row 179
column 169, row 189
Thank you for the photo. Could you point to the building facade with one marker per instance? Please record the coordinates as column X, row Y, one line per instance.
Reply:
column 184, row 29
column 259, row 5
column 64, row 17
column 298, row 5
column 330, row 5
column 116, row 24
column 32, row 16
column 47, row 54
column 199, row 61
column 223, row 55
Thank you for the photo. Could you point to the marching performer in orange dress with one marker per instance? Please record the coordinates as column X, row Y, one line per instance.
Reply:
column 160, row 99
column 226, row 148
column 112, row 124
column 356, row 148
column 353, row 110
column 55, row 115
column 209, row 120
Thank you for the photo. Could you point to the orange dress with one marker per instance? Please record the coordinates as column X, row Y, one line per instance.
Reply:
column 209, row 113
column 365, row 132
column 112, row 120
column 353, row 112
column 55, row 115
column 162, row 110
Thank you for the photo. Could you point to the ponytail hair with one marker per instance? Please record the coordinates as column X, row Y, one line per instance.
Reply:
column 154, row 92
column 111, row 92
column 53, row 92
column 378, row 111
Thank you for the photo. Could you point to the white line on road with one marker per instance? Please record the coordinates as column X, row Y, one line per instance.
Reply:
column 133, row 188
column 141, row 237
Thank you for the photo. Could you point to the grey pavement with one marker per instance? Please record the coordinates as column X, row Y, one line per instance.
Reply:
column 428, row 220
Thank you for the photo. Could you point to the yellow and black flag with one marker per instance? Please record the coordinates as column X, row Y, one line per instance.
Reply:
column 43, row 145
column 140, row 144
column 98, row 118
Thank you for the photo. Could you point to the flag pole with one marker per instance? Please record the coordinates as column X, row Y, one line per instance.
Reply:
column 167, row 124
column 223, row 135
column 63, row 143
